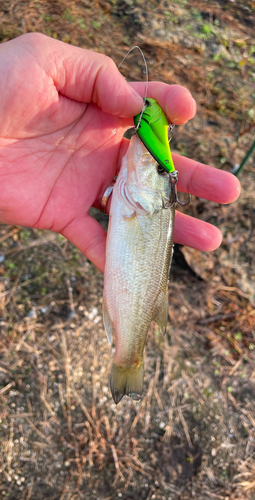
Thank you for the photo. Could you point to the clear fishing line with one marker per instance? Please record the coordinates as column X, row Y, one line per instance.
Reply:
column 145, row 65
column 146, row 83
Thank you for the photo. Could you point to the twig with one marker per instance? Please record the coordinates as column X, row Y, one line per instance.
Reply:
column 107, row 427
column 185, row 427
column 139, row 414
column 3, row 370
column 251, row 313
column 117, row 466
column 15, row 230
column 232, row 341
column 62, row 401
column 27, row 282
column 94, row 391
column 38, row 432
column 30, row 489
column 143, row 467
column 169, row 427
column 47, row 405
column 41, row 445
column 247, row 130
column 6, row 388
column 158, row 398
column 22, row 415
column 70, row 295
column 10, row 449
column 130, row 475
column 15, row 285
column 67, row 370
column 235, row 366
column 35, row 243
column 148, row 398
column 84, row 409
column 218, row 317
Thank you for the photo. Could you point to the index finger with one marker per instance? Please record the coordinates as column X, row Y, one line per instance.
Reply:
column 175, row 100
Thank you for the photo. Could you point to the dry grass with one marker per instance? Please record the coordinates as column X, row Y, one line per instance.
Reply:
column 192, row 435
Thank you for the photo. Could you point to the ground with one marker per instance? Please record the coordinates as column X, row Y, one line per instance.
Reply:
column 193, row 433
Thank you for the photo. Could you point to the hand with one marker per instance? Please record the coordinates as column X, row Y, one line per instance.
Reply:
column 63, row 114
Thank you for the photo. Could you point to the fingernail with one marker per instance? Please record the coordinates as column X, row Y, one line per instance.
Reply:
column 194, row 106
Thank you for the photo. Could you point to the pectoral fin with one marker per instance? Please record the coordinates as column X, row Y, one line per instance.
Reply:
column 107, row 322
column 162, row 313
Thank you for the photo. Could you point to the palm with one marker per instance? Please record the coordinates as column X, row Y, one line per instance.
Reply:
column 55, row 177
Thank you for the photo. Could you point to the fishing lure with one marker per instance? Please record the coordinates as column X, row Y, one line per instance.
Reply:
column 152, row 127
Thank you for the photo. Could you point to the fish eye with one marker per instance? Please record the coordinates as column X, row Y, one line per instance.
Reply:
column 160, row 170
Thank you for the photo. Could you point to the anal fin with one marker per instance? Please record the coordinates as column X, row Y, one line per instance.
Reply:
column 162, row 313
column 107, row 322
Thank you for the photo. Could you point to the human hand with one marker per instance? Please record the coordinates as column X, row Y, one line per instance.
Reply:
column 64, row 112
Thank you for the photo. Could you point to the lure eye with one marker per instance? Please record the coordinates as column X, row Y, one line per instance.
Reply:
column 160, row 170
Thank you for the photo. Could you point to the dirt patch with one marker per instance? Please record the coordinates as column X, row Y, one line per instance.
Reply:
column 192, row 435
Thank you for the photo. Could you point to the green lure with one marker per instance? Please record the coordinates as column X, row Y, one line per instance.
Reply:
column 152, row 128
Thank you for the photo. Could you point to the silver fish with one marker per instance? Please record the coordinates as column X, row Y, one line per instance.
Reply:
column 138, row 259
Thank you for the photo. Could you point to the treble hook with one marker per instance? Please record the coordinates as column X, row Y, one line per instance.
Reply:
column 173, row 178
column 170, row 130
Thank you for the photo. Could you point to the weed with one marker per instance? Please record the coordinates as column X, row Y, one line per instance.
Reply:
column 207, row 29
column 82, row 24
column 196, row 14
column 238, row 336
column 68, row 16
column 96, row 25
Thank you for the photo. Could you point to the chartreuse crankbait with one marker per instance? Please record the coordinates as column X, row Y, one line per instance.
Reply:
column 152, row 128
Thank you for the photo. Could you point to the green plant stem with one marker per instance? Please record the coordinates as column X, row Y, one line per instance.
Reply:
column 246, row 158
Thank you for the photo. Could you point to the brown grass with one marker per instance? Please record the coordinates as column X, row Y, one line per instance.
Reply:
column 192, row 435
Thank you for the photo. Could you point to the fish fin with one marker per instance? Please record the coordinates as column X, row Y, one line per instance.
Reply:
column 162, row 313
column 170, row 263
column 126, row 381
column 107, row 322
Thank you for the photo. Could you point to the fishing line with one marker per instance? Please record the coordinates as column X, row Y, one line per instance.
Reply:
column 171, row 125
column 147, row 79
column 145, row 65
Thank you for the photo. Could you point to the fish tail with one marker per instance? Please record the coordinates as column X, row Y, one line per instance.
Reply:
column 126, row 381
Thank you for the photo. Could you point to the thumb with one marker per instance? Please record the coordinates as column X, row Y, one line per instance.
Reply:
column 85, row 76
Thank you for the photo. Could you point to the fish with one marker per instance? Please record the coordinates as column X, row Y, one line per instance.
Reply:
column 138, row 258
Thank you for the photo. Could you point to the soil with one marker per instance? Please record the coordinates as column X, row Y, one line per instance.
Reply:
column 193, row 433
